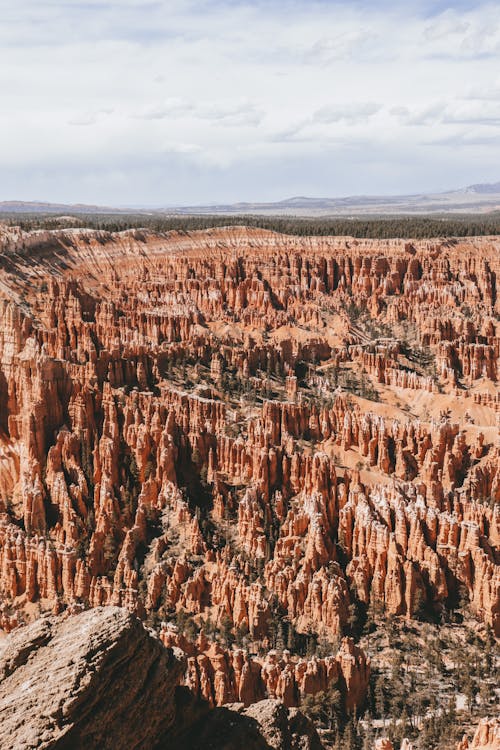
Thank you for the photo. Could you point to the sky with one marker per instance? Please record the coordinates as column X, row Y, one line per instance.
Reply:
column 185, row 102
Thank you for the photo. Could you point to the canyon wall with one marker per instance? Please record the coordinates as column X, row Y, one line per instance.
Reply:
column 264, row 439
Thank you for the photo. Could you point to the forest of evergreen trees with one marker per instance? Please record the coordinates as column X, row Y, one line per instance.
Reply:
column 383, row 227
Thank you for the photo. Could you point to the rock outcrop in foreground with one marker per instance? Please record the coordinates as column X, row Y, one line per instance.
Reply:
column 99, row 680
column 96, row 680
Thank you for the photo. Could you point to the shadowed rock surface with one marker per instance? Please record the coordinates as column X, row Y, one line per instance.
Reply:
column 96, row 680
column 265, row 725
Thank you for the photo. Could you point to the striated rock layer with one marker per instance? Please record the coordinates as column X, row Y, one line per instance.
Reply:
column 259, row 433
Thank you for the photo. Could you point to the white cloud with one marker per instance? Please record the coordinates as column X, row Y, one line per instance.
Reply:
column 348, row 45
column 484, row 93
column 183, row 101
column 350, row 112
column 477, row 112
column 226, row 112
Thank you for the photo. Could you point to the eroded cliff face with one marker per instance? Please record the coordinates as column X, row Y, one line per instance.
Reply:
column 263, row 432
column 221, row 676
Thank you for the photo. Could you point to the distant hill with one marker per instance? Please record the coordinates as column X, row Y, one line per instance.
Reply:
column 485, row 188
column 43, row 207
column 478, row 198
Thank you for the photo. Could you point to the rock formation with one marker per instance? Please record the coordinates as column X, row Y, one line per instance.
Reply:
column 486, row 736
column 266, row 725
column 384, row 743
column 253, row 436
column 224, row 676
column 74, row 698
column 98, row 679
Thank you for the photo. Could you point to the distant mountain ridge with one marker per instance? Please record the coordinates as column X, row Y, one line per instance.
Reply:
column 14, row 207
column 477, row 198
column 484, row 188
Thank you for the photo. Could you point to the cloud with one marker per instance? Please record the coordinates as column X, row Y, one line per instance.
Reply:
column 482, row 113
column 317, row 128
column 484, row 93
column 346, row 46
column 225, row 113
column 181, row 148
column 349, row 112
column 463, row 36
column 231, row 99
column 83, row 119
column 171, row 108
column 421, row 116
column 469, row 140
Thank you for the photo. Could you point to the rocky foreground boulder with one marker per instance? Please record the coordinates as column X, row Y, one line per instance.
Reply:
column 99, row 679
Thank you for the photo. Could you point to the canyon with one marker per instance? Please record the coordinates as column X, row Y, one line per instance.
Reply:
column 252, row 442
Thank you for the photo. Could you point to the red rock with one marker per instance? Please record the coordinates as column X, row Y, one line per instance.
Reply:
column 486, row 736
column 172, row 437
